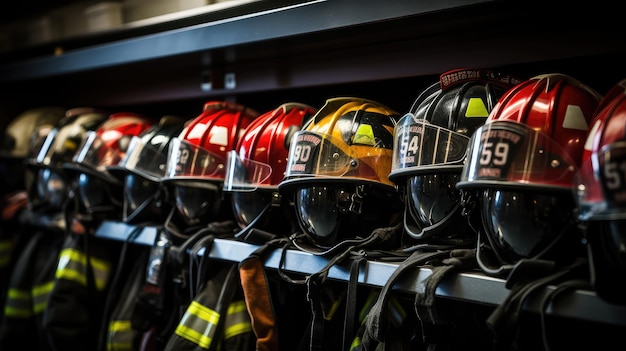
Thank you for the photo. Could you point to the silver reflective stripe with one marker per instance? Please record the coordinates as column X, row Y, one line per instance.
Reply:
column 72, row 266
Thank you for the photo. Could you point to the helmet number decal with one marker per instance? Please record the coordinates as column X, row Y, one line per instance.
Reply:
column 302, row 152
column 498, row 148
column 612, row 164
column 409, row 142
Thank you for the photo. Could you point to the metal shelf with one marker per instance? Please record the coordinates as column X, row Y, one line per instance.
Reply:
column 470, row 287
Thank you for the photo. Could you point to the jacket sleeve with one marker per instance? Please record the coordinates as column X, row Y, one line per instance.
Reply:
column 76, row 304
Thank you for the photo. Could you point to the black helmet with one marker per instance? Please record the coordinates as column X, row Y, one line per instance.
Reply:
column 98, row 191
column 430, row 145
column 141, row 170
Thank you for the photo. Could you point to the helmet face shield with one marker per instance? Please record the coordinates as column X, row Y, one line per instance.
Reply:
column 96, row 154
column 51, row 188
column 523, row 224
column 245, row 174
column 187, row 160
column 502, row 153
column 197, row 203
column 418, row 143
column 322, row 155
column 432, row 198
column 247, row 205
column 142, row 157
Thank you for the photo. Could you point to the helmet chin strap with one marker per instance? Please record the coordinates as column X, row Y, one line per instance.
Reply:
column 148, row 201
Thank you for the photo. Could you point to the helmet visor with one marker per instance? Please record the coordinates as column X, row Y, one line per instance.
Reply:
column 187, row 160
column 144, row 159
column 96, row 154
column 243, row 174
column 420, row 144
column 505, row 153
column 601, row 190
column 321, row 155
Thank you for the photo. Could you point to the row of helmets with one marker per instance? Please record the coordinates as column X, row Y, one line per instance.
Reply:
column 481, row 160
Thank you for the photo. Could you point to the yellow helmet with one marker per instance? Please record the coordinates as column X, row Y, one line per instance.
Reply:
column 349, row 139
column 338, row 174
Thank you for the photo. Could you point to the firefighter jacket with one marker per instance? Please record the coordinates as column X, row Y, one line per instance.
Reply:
column 76, row 302
column 217, row 318
column 11, row 239
column 29, row 288
column 120, row 335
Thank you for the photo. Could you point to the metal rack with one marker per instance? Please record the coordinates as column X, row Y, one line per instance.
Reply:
column 470, row 287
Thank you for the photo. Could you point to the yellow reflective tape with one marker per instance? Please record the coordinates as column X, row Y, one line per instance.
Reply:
column 237, row 319
column 236, row 307
column 18, row 294
column 203, row 312
column 4, row 259
column 17, row 312
column 41, row 292
column 355, row 343
column 120, row 325
column 42, row 289
column 72, row 265
column 72, row 275
column 237, row 329
column 476, row 108
column 203, row 341
column 119, row 346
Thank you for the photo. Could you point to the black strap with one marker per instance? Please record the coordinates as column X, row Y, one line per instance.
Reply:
column 376, row 324
column 504, row 320
column 351, row 311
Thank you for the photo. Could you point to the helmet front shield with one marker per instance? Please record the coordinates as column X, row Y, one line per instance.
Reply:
column 420, row 145
column 505, row 153
column 243, row 174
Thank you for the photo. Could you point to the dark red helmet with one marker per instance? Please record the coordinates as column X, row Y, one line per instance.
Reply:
column 256, row 167
column 601, row 195
column 521, row 166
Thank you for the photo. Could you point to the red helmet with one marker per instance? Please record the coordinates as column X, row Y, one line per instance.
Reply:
column 199, row 152
column 197, row 159
column 522, row 163
column 601, row 195
column 107, row 145
column 600, row 190
column 258, row 165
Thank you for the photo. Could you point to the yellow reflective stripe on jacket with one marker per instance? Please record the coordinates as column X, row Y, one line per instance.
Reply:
column 18, row 304
column 237, row 320
column 198, row 324
column 6, row 247
column 41, row 292
column 72, row 266
column 120, row 336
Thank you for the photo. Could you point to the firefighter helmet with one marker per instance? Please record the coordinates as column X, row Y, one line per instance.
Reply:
column 98, row 190
column 430, row 145
column 142, row 168
column 15, row 145
column 256, row 167
column 601, row 195
column 59, row 146
column 337, row 172
column 197, row 159
column 522, row 163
